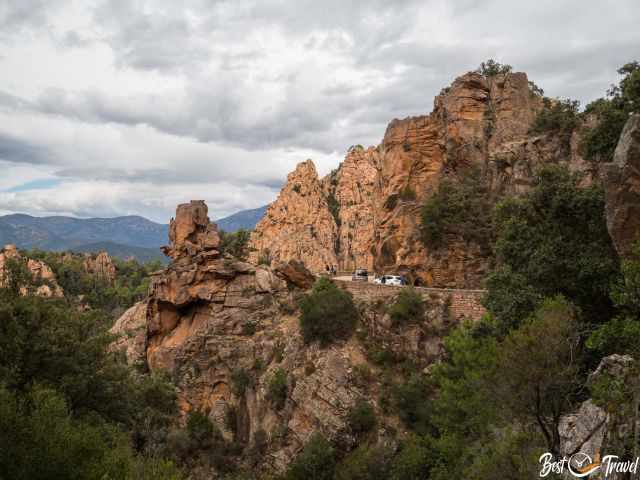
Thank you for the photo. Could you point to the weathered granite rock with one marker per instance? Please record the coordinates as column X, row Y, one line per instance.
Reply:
column 191, row 231
column 622, row 188
column 209, row 319
column 131, row 330
column 298, row 225
column 43, row 281
column 100, row 265
column 296, row 273
column 375, row 196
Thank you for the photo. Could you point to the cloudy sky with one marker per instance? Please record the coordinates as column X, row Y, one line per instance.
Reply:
column 116, row 107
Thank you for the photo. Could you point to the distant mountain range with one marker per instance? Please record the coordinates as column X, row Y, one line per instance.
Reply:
column 130, row 236
column 246, row 219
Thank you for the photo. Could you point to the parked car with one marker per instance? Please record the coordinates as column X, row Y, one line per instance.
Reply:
column 360, row 275
column 395, row 280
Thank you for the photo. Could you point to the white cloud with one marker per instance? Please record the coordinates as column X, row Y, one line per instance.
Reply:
column 136, row 105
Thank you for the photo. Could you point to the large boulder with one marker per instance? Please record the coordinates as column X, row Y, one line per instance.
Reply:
column 622, row 188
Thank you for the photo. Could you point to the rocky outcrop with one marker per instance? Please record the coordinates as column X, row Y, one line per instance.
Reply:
column 298, row 225
column 223, row 329
column 191, row 231
column 42, row 282
column 622, row 188
column 100, row 265
column 131, row 332
column 598, row 430
column 374, row 198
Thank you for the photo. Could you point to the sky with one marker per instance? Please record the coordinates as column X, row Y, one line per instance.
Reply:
column 129, row 107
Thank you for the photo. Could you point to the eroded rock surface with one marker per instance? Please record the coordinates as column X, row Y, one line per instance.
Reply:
column 100, row 265
column 42, row 282
column 298, row 225
column 367, row 213
column 212, row 320
column 622, row 188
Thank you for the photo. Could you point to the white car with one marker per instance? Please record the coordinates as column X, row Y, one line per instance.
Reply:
column 394, row 280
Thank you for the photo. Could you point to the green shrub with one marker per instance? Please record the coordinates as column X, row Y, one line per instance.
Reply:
column 491, row 68
column 240, row 380
column 460, row 207
column 408, row 307
column 411, row 402
column 327, row 314
column 316, row 462
column 599, row 142
column 361, row 417
column 277, row 389
column 558, row 117
column 200, row 429
column 235, row 243
column 413, row 461
column 365, row 463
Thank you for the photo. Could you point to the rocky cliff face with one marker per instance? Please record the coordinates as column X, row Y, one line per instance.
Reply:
column 100, row 265
column 224, row 328
column 42, row 282
column 622, row 188
column 298, row 225
column 367, row 212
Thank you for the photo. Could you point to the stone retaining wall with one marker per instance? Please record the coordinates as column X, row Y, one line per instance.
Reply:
column 463, row 303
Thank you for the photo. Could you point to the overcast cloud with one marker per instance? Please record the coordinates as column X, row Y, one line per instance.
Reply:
column 114, row 107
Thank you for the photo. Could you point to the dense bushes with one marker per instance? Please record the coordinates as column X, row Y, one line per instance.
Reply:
column 131, row 284
column 552, row 241
column 69, row 403
column 460, row 207
column 612, row 112
column 558, row 117
column 316, row 462
column 408, row 307
column 361, row 417
column 235, row 243
column 327, row 313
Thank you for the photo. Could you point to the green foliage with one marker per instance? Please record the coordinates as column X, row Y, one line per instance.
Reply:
column 558, row 117
column 365, row 463
column 69, row 403
column 277, row 389
column 620, row 334
column 200, row 429
column 131, row 284
column 413, row 461
column 535, row 89
column 491, row 68
column 612, row 112
column 411, row 400
column 316, row 462
column 240, row 380
column 361, row 417
column 408, row 308
column 552, row 241
column 327, row 314
column 460, row 207
column 235, row 243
